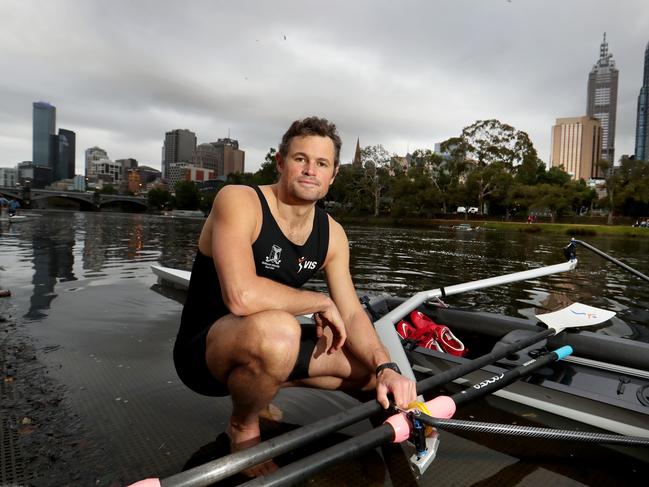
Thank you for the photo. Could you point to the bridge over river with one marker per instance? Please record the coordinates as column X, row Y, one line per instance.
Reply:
column 89, row 201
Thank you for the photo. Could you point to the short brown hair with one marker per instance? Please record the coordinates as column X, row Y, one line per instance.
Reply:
column 312, row 126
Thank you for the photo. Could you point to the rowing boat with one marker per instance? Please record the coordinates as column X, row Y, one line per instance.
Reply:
column 604, row 384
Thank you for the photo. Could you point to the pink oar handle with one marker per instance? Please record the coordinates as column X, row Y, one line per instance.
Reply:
column 442, row 407
column 146, row 483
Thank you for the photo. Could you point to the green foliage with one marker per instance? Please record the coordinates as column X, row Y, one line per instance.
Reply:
column 108, row 189
column 206, row 199
column 491, row 165
column 376, row 161
column 628, row 188
column 488, row 141
column 187, row 196
column 158, row 198
column 268, row 174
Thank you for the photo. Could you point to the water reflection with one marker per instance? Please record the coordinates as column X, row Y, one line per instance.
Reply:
column 106, row 247
column 52, row 261
column 86, row 276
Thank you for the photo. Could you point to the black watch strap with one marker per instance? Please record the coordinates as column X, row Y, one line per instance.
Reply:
column 388, row 365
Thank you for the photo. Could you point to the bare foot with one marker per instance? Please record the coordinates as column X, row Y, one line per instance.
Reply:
column 272, row 413
column 242, row 437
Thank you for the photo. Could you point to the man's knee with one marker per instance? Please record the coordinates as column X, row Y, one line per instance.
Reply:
column 274, row 340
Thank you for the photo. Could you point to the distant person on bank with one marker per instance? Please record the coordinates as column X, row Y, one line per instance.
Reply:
column 239, row 334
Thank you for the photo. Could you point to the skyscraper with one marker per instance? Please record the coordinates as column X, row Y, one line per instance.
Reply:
column 576, row 146
column 602, row 99
column 642, row 122
column 44, row 127
column 230, row 159
column 65, row 162
column 94, row 154
column 179, row 146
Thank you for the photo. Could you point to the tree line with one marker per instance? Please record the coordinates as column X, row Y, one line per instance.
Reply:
column 490, row 165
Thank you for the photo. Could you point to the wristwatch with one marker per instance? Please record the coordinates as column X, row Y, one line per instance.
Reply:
column 388, row 365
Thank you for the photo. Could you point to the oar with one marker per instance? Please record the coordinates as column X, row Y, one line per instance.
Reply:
column 228, row 465
column 396, row 429
column 570, row 252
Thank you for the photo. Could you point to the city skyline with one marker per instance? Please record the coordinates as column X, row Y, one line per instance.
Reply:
column 404, row 76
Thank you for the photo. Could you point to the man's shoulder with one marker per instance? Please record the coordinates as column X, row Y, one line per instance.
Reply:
column 337, row 236
column 235, row 194
column 234, row 190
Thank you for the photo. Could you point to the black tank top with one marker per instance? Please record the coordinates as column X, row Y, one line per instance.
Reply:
column 276, row 258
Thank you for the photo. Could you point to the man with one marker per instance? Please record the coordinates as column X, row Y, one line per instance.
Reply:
column 239, row 334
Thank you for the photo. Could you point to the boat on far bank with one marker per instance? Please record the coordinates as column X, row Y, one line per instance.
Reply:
column 185, row 214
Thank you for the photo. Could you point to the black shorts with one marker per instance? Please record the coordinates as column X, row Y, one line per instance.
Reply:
column 191, row 366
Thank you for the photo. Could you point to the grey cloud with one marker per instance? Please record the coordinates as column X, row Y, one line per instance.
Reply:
column 404, row 74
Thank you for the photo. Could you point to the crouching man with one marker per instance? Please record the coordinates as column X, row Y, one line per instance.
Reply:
column 239, row 335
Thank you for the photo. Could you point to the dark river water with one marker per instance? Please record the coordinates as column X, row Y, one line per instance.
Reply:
column 83, row 291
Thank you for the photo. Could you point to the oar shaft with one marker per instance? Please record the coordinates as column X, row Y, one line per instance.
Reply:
column 447, row 376
column 226, row 466
column 499, row 381
column 612, row 259
column 532, row 431
column 229, row 465
column 305, row 468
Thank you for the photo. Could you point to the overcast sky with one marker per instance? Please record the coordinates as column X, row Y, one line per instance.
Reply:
column 403, row 74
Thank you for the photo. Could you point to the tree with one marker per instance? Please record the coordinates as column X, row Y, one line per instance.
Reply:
column 108, row 189
column 483, row 181
column 627, row 188
column 376, row 161
column 268, row 174
column 531, row 171
column 413, row 193
column 158, row 198
column 206, row 200
column 187, row 196
column 441, row 171
column 553, row 198
column 488, row 141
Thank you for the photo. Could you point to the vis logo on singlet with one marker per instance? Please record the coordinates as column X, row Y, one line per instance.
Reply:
column 273, row 260
column 302, row 263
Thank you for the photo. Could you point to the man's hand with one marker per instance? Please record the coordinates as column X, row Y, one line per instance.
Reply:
column 402, row 389
column 331, row 317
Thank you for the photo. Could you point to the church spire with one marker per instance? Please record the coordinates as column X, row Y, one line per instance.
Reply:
column 357, row 155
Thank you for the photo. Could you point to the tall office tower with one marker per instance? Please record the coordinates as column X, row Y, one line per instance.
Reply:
column 576, row 145
column 179, row 146
column 230, row 159
column 94, row 154
column 642, row 122
column 207, row 156
column 602, row 99
column 44, row 127
column 65, row 162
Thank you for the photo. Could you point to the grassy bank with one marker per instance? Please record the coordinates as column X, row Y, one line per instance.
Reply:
column 569, row 229
column 555, row 228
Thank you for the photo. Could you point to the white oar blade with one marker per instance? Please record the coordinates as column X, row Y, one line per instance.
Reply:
column 574, row 316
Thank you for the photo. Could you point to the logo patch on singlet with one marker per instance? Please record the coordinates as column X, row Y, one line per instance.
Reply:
column 302, row 263
column 273, row 260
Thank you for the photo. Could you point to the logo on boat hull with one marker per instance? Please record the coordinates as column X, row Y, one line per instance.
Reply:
column 273, row 259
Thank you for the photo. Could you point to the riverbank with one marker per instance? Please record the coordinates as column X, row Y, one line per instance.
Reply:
column 42, row 439
column 569, row 229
